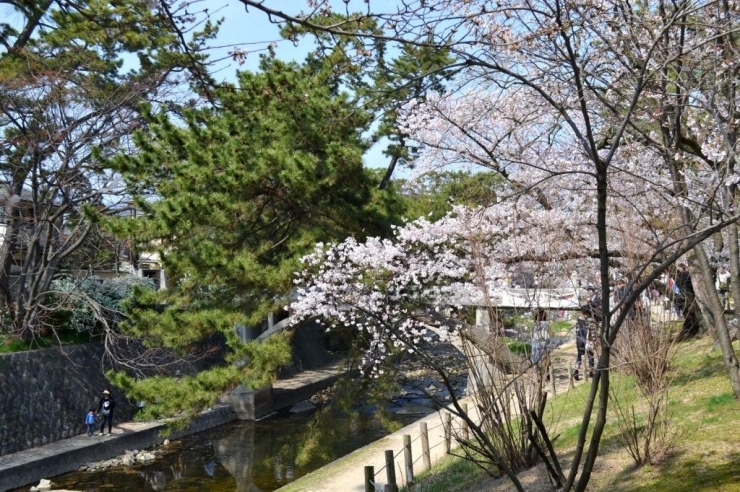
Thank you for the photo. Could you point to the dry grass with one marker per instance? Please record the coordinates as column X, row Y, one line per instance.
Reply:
column 704, row 455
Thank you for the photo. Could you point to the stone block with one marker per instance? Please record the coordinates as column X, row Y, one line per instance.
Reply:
column 250, row 404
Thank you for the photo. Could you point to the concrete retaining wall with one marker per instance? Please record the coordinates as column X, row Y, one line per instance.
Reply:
column 30, row 466
column 46, row 394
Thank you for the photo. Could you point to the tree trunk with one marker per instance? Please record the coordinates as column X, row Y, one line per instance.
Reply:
column 734, row 266
column 713, row 311
column 9, row 244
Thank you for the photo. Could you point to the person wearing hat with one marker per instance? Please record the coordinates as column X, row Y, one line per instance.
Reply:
column 105, row 410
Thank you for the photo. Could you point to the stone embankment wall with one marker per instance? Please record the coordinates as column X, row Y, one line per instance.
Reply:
column 45, row 394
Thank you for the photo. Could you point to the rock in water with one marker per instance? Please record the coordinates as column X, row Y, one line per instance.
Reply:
column 44, row 484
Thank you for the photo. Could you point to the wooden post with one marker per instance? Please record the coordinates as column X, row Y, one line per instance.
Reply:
column 369, row 479
column 465, row 429
column 448, row 432
column 571, row 381
column 408, row 461
column 552, row 380
column 390, row 470
column 426, row 457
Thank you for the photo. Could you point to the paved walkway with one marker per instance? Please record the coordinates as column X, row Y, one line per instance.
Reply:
column 347, row 473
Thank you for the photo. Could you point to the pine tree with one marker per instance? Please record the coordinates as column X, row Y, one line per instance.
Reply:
column 231, row 197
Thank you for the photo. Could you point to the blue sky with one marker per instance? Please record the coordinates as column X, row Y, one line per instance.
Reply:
column 253, row 32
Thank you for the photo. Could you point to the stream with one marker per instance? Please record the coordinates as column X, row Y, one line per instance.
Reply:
column 240, row 456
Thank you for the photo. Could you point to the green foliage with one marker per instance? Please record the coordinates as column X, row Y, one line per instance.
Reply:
column 239, row 194
column 560, row 326
column 72, row 77
column 231, row 198
column 382, row 75
column 86, row 305
column 9, row 344
column 434, row 195
column 187, row 396
column 520, row 348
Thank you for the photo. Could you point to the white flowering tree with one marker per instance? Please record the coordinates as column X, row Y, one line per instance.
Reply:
column 397, row 292
column 613, row 122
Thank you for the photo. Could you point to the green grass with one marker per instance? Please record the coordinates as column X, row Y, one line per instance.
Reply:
column 10, row 344
column 557, row 327
column 519, row 348
column 703, row 416
column 449, row 473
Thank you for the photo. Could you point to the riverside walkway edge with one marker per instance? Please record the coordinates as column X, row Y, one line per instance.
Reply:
column 31, row 465
column 347, row 473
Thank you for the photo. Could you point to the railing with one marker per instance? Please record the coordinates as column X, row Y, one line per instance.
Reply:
column 407, row 472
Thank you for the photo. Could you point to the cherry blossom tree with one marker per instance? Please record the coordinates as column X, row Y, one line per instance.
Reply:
column 396, row 292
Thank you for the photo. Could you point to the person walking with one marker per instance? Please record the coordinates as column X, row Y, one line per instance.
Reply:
column 584, row 343
column 90, row 421
column 722, row 284
column 594, row 304
column 540, row 342
column 105, row 410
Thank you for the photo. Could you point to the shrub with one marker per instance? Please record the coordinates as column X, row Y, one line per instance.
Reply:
column 87, row 305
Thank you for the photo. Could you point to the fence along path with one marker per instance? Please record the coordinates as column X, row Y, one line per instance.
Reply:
column 348, row 473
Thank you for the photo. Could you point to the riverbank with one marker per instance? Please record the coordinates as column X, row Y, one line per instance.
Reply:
column 31, row 465
column 347, row 473
column 59, row 457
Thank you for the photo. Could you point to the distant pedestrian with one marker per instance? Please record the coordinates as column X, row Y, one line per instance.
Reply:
column 584, row 342
column 722, row 284
column 105, row 410
column 90, row 421
column 594, row 304
column 622, row 294
column 541, row 341
column 683, row 280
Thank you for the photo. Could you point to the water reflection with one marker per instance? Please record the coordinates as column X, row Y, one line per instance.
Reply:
column 241, row 456
column 156, row 480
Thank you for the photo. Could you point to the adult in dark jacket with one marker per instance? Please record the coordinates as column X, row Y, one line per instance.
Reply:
column 594, row 304
column 584, row 342
column 105, row 410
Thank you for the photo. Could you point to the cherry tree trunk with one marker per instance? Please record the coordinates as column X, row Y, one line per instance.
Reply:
column 713, row 311
column 734, row 265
